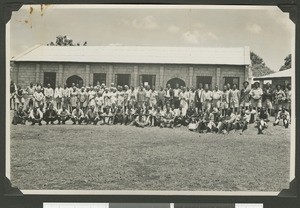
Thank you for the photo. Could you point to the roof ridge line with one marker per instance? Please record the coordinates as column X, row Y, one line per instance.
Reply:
column 26, row 52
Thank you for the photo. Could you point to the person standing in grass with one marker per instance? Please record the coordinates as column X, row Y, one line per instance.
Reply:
column 161, row 97
column 245, row 96
column 279, row 98
column 66, row 97
column 48, row 91
column 256, row 96
column 83, row 99
column 74, row 98
column 267, row 98
column 141, row 97
column 13, row 90
column 288, row 100
column 234, row 98
column 38, row 98
column 207, row 99
column 216, row 97
column 19, row 99
column 225, row 100
column 58, row 95
column 29, row 95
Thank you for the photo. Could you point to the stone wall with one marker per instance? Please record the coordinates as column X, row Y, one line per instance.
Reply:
column 24, row 73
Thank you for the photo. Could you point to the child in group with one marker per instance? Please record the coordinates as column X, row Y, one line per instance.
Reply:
column 241, row 121
column 284, row 116
column 251, row 113
column 262, row 119
column 168, row 118
column 225, row 100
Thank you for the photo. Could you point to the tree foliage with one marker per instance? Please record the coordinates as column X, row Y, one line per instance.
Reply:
column 287, row 63
column 258, row 66
column 65, row 41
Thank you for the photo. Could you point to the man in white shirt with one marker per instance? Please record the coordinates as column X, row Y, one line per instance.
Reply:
column 48, row 94
column 58, row 95
column 256, row 96
column 206, row 97
column 38, row 98
column 198, row 98
column 216, row 97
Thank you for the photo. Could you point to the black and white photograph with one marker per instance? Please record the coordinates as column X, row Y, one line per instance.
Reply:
column 156, row 99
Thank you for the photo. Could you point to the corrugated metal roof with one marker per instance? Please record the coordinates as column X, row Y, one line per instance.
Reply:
column 285, row 73
column 137, row 54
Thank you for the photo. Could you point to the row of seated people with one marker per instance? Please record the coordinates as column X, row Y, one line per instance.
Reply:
column 208, row 121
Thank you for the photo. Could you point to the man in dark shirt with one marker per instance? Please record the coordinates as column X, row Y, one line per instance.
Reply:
column 20, row 116
column 50, row 114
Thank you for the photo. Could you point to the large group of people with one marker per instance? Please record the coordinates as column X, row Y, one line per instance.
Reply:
column 200, row 109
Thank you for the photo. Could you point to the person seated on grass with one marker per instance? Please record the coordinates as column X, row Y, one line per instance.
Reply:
column 141, row 120
column 241, row 122
column 106, row 116
column 20, row 116
column 63, row 115
column 284, row 116
column 77, row 115
column 36, row 116
column 91, row 116
column 148, row 114
column 129, row 115
column 119, row 117
column 157, row 117
column 251, row 113
column 193, row 124
column 262, row 119
column 190, row 113
column 178, row 117
column 226, row 124
column 168, row 118
column 210, row 119
column 50, row 114
column 202, row 121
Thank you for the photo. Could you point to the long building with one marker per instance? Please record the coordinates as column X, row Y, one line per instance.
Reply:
column 131, row 65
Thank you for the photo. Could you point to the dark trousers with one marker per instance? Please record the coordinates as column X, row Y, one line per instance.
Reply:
column 79, row 120
column 50, row 119
column 36, row 120
column 18, row 120
column 63, row 119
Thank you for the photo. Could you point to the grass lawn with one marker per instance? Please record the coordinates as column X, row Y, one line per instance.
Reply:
column 129, row 158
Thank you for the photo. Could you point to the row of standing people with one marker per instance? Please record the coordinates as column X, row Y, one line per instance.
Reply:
column 202, row 98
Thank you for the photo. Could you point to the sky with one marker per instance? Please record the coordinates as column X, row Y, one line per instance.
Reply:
column 267, row 31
